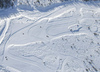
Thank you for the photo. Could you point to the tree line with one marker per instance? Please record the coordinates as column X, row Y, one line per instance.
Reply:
column 10, row 3
column 6, row 3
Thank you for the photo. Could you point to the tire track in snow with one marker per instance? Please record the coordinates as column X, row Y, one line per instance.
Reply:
column 35, row 23
column 6, row 36
column 9, row 35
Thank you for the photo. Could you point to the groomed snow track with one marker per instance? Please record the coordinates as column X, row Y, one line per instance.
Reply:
column 63, row 39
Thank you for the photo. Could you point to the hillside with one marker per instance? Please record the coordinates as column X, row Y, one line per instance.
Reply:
column 60, row 37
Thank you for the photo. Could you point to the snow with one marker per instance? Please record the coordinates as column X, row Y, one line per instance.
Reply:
column 64, row 38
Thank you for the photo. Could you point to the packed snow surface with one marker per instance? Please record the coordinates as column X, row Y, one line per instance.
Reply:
column 65, row 38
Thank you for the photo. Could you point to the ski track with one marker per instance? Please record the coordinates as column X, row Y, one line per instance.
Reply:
column 7, row 26
column 76, row 31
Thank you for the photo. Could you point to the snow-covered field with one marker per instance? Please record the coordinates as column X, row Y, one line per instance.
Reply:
column 65, row 38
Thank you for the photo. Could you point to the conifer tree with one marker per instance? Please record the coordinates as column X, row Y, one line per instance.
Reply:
column 6, row 3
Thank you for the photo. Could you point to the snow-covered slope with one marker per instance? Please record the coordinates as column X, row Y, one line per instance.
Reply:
column 65, row 38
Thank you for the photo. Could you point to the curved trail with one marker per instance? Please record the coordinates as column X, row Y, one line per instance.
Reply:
column 63, row 38
column 9, row 35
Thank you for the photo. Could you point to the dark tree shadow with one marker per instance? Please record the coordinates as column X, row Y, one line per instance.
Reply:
column 66, row 3
column 6, row 13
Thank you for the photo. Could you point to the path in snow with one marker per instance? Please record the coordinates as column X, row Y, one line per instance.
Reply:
column 61, row 40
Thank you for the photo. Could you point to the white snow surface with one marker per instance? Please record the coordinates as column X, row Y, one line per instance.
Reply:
column 63, row 38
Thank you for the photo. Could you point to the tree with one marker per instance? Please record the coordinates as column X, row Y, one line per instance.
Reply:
column 6, row 3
